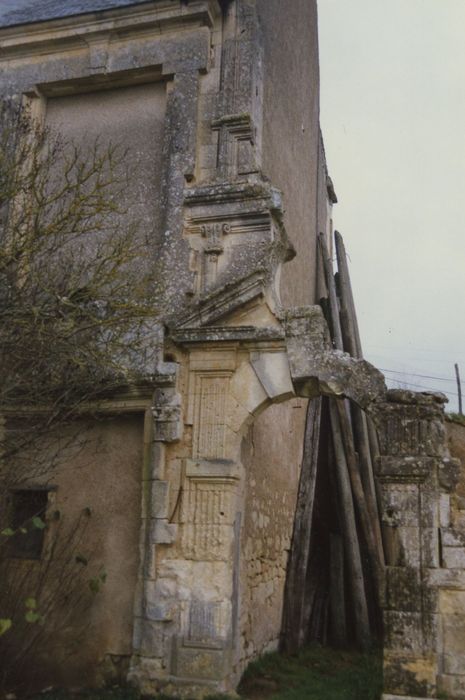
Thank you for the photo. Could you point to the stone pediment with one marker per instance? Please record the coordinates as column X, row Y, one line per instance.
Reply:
column 237, row 242
column 223, row 303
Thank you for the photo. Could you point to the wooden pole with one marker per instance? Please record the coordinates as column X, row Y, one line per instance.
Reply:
column 295, row 615
column 336, row 591
column 333, row 302
column 349, row 531
column 366, row 522
column 352, row 344
column 459, row 388
column 346, row 292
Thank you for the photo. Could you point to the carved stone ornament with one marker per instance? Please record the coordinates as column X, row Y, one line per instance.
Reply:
column 213, row 233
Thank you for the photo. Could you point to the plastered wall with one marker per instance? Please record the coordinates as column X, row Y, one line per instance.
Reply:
column 130, row 120
column 93, row 518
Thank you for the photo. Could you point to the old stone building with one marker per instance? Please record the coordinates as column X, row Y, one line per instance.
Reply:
column 193, row 487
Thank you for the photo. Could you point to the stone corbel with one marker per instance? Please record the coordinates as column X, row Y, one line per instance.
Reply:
column 167, row 414
column 318, row 369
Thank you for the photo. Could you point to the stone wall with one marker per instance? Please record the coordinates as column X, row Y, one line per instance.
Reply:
column 451, row 603
column 456, row 440
column 424, row 612
column 270, row 492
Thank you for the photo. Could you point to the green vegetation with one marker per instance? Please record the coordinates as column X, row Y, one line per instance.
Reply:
column 456, row 418
column 316, row 674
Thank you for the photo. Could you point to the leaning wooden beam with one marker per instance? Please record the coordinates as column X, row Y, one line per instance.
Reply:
column 338, row 626
column 352, row 345
column 333, row 302
column 347, row 296
column 366, row 520
column 360, row 428
column 349, row 531
column 295, row 614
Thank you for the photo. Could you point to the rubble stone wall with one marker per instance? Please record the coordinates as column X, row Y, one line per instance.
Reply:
column 456, row 441
column 271, row 483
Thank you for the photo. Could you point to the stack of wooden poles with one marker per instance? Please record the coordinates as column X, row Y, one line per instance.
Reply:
column 335, row 574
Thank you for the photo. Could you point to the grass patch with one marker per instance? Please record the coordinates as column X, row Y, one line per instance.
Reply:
column 114, row 693
column 315, row 674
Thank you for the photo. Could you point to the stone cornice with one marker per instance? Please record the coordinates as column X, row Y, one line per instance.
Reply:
column 157, row 17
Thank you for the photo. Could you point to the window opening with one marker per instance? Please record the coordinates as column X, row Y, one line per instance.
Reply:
column 28, row 508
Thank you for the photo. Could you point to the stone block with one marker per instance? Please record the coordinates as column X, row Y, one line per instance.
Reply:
column 429, row 538
column 160, row 499
column 405, row 547
column 403, row 631
column 403, row 697
column 213, row 469
column 199, row 662
column 409, row 675
column 157, row 461
column 449, row 474
column 400, row 505
column 431, row 631
column 401, row 468
column 453, row 633
column 272, row 369
column 453, row 557
column 167, row 415
column 161, row 611
column 429, row 515
column 152, row 639
column 162, row 532
column 444, row 510
column 452, row 538
column 452, row 686
column 403, row 589
column 452, row 602
column 454, row 664
column 446, row 578
column 247, row 388
column 137, row 634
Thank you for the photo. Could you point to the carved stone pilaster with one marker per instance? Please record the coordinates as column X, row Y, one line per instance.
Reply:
column 412, row 446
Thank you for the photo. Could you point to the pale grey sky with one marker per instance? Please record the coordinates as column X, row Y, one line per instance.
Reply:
column 393, row 119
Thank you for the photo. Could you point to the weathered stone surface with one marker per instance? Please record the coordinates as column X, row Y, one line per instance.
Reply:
column 403, row 589
column 316, row 368
column 449, row 474
column 402, row 697
column 197, row 662
column 163, row 532
column 452, row 686
column 167, row 415
column 410, row 675
column 160, row 501
column 272, row 369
